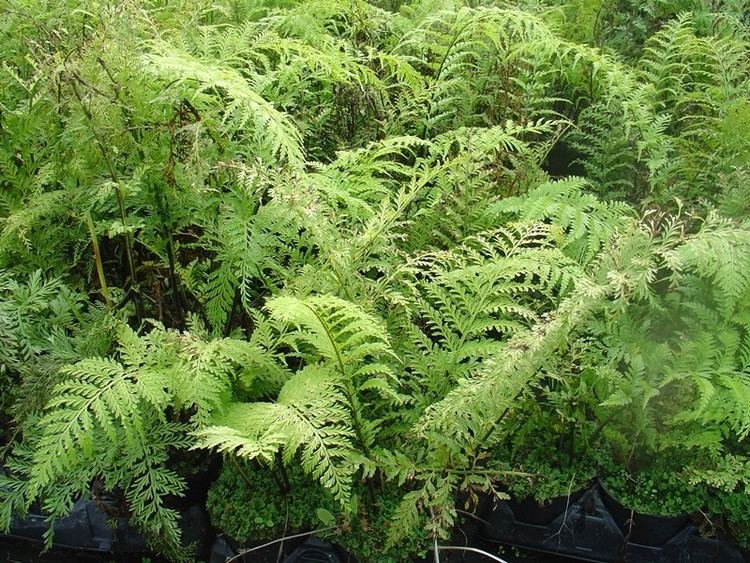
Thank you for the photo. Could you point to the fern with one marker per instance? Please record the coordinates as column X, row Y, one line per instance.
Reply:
column 337, row 330
column 718, row 251
column 584, row 224
column 101, row 409
column 273, row 133
column 404, row 245
column 108, row 418
column 257, row 244
column 310, row 415
column 467, row 302
column 318, row 411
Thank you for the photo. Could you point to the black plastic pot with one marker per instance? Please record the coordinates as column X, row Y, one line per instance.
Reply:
column 541, row 514
column 315, row 550
column 588, row 531
column 88, row 527
column 644, row 529
column 222, row 550
column 312, row 550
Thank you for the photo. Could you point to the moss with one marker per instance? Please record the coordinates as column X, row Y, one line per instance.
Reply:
column 248, row 503
column 662, row 491
column 365, row 535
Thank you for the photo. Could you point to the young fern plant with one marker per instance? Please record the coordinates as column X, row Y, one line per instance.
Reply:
column 44, row 325
column 108, row 419
column 321, row 411
column 460, row 430
column 668, row 356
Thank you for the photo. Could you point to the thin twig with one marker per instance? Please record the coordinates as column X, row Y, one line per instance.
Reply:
column 472, row 515
column 490, row 472
column 295, row 536
column 470, row 549
column 710, row 522
column 558, row 534
column 286, row 527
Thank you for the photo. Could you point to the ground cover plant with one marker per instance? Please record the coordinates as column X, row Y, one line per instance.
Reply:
column 380, row 259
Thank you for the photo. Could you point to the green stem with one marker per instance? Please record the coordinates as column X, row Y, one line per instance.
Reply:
column 98, row 260
column 120, row 199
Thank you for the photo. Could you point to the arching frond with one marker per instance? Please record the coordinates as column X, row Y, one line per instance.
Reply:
column 309, row 416
column 227, row 92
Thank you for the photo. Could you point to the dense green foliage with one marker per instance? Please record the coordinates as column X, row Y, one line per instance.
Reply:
column 376, row 256
column 240, row 504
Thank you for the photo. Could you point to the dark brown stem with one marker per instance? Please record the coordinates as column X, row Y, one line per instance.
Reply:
column 241, row 471
column 284, row 476
column 232, row 312
column 178, row 296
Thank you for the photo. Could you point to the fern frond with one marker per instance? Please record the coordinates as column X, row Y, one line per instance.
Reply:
column 337, row 330
column 719, row 251
column 310, row 416
column 584, row 223
column 271, row 129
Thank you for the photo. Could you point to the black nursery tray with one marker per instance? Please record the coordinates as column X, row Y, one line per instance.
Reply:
column 590, row 525
column 86, row 528
column 593, row 526
column 89, row 529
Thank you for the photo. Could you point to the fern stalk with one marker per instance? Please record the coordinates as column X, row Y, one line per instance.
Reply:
column 98, row 259
column 120, row 200
column 348, row 391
